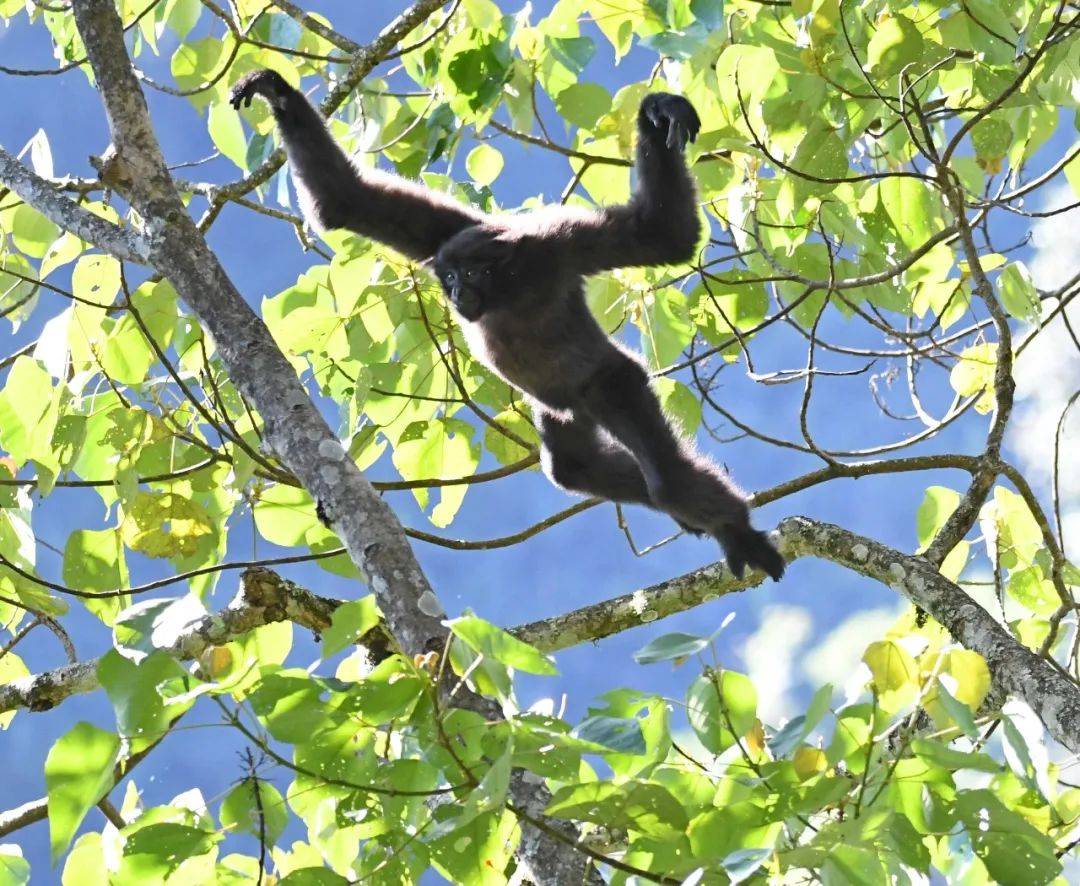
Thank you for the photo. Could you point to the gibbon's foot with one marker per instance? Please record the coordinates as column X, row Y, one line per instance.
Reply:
column 749, row 547
column 264, row 82
column 671, row 116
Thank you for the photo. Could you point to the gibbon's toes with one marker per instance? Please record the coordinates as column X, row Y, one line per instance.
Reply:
column 749, row 547
column 262, row 82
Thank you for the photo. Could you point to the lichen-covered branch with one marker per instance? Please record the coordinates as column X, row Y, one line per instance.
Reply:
column 265, row 597
column 293, row 428
column 295, row 431
column 963, row 518
column 43, row 196
column 1015, row 669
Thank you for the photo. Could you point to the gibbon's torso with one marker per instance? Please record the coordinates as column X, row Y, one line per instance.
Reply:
column 548, row 348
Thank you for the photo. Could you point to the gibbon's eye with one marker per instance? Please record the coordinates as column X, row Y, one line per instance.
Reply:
column 450, row 277
column 469, row 274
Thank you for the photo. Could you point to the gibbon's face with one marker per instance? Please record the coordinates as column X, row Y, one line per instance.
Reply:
column 472, row 268
column 467, row 287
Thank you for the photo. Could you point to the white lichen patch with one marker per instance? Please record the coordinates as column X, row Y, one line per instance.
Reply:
column 638, row 602
column 330, row 475
column 331, row 449
column 860, row 552
column 429, row 604
column 897, row 571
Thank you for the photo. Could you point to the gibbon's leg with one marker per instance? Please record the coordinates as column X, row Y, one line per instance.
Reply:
column 687, row 486
column 576, row 457
column 412, row 219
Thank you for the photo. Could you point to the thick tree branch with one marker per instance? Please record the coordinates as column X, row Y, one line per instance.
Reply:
column 43, row 196
column 265, row 597
column 293, row 428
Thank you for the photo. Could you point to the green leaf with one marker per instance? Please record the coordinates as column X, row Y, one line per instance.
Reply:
column 493, row 642
column 680, row 404
column 797, row 728
column 721, row 707
column 349, row 623
column 94, row 560
column 937, row 506
column 227, row 133
column 1012, row 850
column 64, row 249
column 284, row 515
column 822, row 154
column 743, row 863
column 484, row 164
column 165, row 524
column 666, row 327
column 1018, row 292
column 14, row 869
column 264, row 815
column 505, row 450
column 957, row 711
column 620, row 734
column 183, row 15
column 974, row 373
column 314, row 877
column 676, row 645
column 634, row 805
column 915, row 210
column 582, row 104
column 78, row 773
column 28, row 412
column 896, row 43
column 31, row 231
column 895, row 673
column 135, row 691
column 96, row 278
column 937, row 753
column 157, row 850
column 991, row 138
column 12, row 668
column 1019, row 538
column 852, row 864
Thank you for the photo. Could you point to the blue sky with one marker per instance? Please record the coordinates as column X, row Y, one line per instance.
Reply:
column 778, row 629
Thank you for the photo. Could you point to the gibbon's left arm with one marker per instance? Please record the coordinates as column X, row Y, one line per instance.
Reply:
column 412, row 219
column 660, row 225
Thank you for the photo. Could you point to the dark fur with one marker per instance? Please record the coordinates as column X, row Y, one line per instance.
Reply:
column 517, row 282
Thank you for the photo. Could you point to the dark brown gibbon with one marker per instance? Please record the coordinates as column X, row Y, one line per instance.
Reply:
column 516, row 282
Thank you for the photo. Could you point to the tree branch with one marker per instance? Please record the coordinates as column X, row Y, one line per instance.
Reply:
column 293, row 428
column 42, row 195
column 265, row 597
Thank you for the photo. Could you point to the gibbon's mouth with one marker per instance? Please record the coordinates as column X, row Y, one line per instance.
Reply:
column 466, row 303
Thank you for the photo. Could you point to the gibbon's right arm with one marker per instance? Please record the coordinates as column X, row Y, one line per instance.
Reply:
column 333, row 194
column 660, row 225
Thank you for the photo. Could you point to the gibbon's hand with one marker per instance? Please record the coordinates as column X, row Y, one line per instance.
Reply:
column 269, row 84
column 671, row 117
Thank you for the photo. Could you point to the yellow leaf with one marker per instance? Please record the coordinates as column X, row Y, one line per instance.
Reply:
column 974, row 373
column 809, row 762
column 218, row 661
column 895, row 674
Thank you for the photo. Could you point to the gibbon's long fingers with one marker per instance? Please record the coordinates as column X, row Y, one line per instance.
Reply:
column 675, row 136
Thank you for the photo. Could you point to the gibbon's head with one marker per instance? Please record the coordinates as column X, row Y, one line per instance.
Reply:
column 473, row 267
